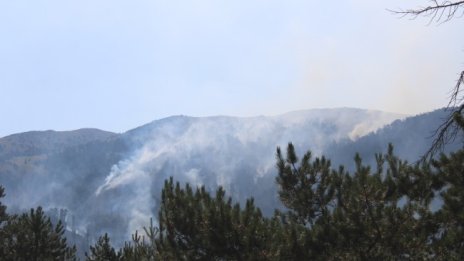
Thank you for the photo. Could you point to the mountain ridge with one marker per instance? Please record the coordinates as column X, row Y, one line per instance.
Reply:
column 113, row 182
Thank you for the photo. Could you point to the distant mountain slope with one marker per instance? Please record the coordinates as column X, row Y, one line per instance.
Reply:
column 411, row 138
column 25, row 159
column 35, row 143
column 112, row 183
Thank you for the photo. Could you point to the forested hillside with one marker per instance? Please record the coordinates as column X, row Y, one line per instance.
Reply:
column 103, row 173
column 112, row 183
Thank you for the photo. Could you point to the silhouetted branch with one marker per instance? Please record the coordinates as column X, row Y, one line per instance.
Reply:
column 444, row 134
column 450, row 128
column 456, row 98
column 437, row 10
column 443, row 11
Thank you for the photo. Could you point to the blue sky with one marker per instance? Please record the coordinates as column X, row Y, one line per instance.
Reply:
column 114, row 65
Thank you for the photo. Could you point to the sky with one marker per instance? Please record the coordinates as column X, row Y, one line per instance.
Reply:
column 115, row 65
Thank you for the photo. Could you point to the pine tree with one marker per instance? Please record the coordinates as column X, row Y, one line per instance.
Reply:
column 450, row 218
column 3, row 219
column 367, row 215
column 196, row 226
column 142, row 247
column 32, row 237
column 3, row 215
column 103, row 251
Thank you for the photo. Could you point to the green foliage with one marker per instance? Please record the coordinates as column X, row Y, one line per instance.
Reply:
column 196, row 226
column 103, row 251
column 381, row 214
column 450, row 218
column 3, row 218
column 31, row 236
column 141, row 247
column 137, row 250
column 3, row 215
column 307, row 190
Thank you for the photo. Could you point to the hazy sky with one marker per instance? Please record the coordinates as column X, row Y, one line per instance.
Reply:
column 114, row 64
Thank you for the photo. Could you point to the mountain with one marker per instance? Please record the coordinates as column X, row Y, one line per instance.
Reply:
column 111, row 182
column 25, row 156
column 36, row 143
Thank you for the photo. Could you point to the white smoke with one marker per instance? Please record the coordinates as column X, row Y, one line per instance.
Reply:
column 216, row 151
column 373, row 122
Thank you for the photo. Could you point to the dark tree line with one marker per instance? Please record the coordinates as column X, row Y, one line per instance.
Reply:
column 32, row 237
